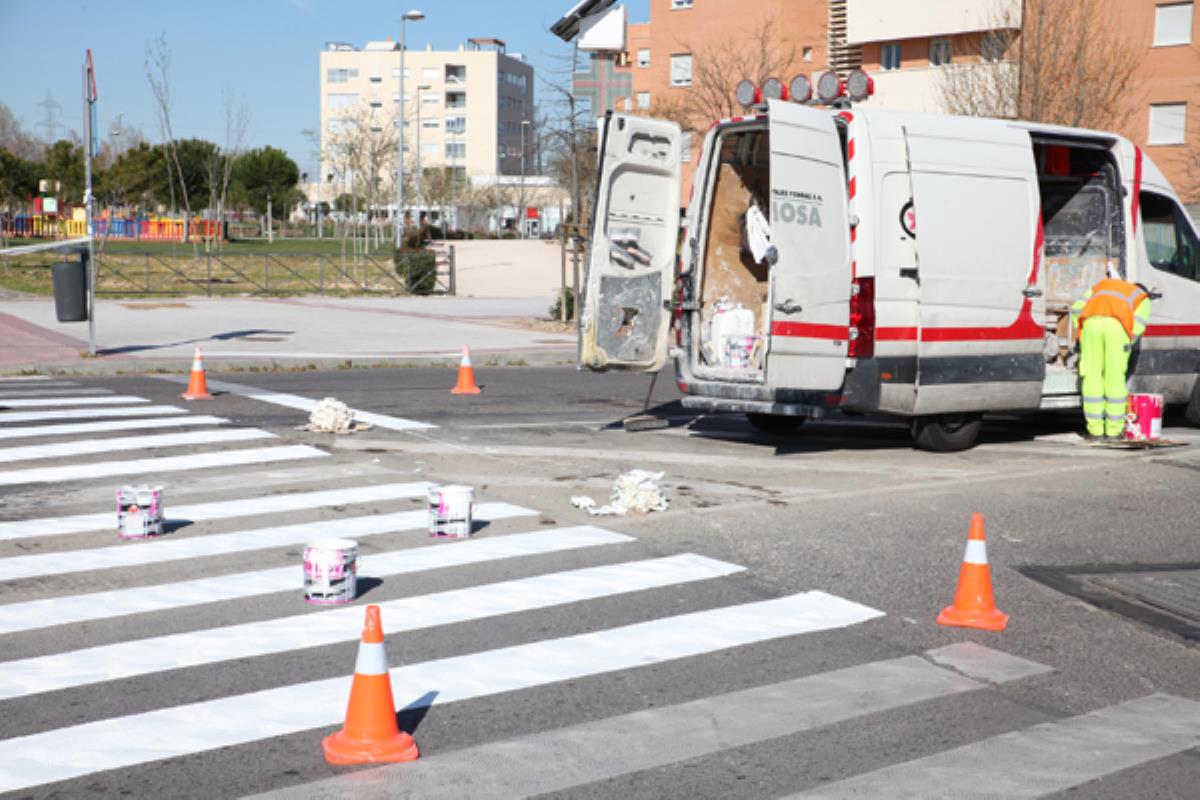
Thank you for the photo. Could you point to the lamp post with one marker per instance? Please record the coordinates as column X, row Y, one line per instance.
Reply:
column 415, row 16
column 420, row 194
column 521, row 210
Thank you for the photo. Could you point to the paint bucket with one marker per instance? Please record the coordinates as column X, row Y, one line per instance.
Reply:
column 1143, row 418
column 740, row 351
column 450, row 509
column 330, row 572
column 139, row 511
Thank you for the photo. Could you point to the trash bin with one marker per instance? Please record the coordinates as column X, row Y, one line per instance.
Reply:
column 70, row 289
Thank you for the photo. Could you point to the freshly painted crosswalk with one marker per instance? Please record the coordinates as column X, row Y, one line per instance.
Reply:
column 109, row 426
column 112, row 400
column 7, row 392
column 13, row 417
column 117, row 444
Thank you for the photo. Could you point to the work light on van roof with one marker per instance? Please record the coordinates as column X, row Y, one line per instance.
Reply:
column 800, row 89
column 772, row 89
column 859, row 85
column 829, row 86
column 746, row 92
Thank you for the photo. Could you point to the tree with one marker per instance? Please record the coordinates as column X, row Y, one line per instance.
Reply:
column 1051, row 71
column 219, row 164
column 139, row 175
column 18, row 177
column 158, row 74
column 15, row 140
column 266, row 173
column 64, row 163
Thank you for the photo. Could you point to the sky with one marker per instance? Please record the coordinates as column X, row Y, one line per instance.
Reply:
column 265, row 51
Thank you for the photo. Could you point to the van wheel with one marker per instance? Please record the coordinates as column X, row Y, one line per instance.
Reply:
column 1192, row 412
column 774, row 423
column 946, row 433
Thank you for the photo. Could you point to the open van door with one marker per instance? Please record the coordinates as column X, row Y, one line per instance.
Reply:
column 810, row 282
column 635, row 228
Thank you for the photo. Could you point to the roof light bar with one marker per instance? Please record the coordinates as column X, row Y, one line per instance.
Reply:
column 800, row 89
column 772, row 89
column 859, row 85
column 746, row 92
column 829, row 86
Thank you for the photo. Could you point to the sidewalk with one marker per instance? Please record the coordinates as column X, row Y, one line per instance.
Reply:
column 243, row 333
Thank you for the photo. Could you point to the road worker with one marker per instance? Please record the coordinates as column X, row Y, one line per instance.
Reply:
column 1113, row 314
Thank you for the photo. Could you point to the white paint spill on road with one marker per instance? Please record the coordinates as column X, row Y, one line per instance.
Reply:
column 38, row 614
column 157, row 466
column 60, row 754
column 304, row 404
column 149, row 442
column 157, row 551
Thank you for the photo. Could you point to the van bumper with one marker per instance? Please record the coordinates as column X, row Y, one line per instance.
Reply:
column 752, row 407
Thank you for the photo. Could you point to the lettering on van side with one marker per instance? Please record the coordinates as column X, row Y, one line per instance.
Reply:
column 796, row 208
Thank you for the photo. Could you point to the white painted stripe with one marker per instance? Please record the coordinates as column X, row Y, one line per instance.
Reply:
column 108, row 426
column 114, row 400
column 129, row 659
column 1041, row 760
column 33, row 379
column 561, row 759
column 7, row 418
column 976, row 552
column 303, row 403
column 224, row 509
column 6, row 392
column 142, row 466
column 83, row 447
column 38, row 614
column 157, row 551
column 64, row 753
column 372, row 657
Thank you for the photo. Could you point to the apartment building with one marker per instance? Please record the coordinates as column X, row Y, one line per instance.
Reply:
column 468, row 109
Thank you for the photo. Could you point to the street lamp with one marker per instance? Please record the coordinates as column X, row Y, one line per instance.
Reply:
column 420, row 194
column 521, row 210
column 415, row 16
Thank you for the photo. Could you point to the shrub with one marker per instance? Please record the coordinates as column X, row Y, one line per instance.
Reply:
column 418, row 268
column 556, row 309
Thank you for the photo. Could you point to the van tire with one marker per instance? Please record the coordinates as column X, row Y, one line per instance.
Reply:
column 946, row 433
column 774, row 423
column 1192, row 412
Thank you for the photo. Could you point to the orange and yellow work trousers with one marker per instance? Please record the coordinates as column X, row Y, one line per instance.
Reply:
column 1103, row 360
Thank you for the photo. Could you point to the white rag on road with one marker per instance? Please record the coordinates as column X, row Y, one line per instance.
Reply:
column 333, row 416
column 635, row 492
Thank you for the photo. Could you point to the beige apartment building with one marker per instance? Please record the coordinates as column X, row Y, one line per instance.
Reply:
column 468, row 109
column 908, row 48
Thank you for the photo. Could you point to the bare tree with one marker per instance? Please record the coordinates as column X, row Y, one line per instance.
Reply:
column 1057, row 61
column 362, row 147
column 15, row 139
column 158, row 74
column 219, row 164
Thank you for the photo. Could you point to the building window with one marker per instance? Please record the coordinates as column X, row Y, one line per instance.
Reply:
column 681, row 69
column 340, row 100
column 376, row 104
column 340, row 75
column 430, row 148
column 685, row 148
column 1168, row 123
column 889, row 56
column 807, row 54
column 456, row 74
column 1173, row 24
column 456, row 149
column 429, row 73
column 643, row 99
column 431, row 123
column 375, row 79
column 939, row 52
column 643, row 57
column 993, row 46
column 396, row 72
column 680, row 4
column 428, row 97
column 456, row 124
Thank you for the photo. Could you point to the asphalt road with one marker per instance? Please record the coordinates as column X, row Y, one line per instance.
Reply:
column 819, row 562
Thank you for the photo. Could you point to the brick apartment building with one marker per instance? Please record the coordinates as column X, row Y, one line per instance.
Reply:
column 904, row 46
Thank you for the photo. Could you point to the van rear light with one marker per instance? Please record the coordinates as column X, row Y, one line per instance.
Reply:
column 861, row 341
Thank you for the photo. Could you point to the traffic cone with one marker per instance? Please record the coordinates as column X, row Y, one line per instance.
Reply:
column 974, row 606
column 370, row 734
column 197, row 384
column 466, row 376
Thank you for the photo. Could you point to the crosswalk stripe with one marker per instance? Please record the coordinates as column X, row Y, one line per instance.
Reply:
column 113, row 400
column 9, row 417
column 564, row 758
column 178, row 651
column 40, row 380
column 223, row 509
column 82, row 447
column 108, row 426
column 6, row 392
column 63, row 753
column 303, row 403
column 49, row 612
column 140, row 466
column 132, row 554
column 1041, row 760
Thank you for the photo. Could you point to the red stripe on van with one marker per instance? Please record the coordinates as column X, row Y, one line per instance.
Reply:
column 853, row 190
column 850, row 150
column 1135, row 201
column 810, row 330
column 1023, row 328
column 1172, row 330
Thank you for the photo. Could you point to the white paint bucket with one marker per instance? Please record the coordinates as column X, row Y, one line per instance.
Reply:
column 450, row 509
column 331, row 572
column 140, row 511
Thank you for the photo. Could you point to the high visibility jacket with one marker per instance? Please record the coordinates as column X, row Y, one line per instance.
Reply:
column 1118, row 299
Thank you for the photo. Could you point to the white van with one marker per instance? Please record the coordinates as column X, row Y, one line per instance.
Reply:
column 918, row 265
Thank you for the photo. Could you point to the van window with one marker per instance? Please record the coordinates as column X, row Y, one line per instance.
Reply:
column 1171, row 244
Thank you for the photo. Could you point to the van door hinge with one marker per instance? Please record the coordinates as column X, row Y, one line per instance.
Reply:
column 686, row 305
column 1031, row 291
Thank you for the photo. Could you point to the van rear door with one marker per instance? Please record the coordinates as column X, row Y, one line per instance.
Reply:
column 810, row 283
column 635, row 228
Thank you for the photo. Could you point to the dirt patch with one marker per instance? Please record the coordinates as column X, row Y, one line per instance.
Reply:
column 544, row 325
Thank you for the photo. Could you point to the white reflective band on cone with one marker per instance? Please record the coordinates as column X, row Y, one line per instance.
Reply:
column 976, row 553
column 372, row 659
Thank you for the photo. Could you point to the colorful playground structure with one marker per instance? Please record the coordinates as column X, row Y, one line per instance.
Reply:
column 149, row 228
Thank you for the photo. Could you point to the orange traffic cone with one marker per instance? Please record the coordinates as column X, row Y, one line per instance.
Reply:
column 197, row 384
column 466, row 376
column 974, row 606
column 370, row 735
